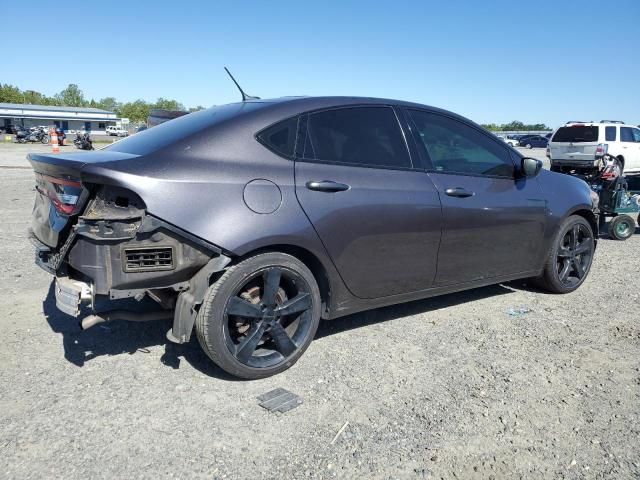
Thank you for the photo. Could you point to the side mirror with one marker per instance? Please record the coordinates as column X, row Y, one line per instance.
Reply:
column 530, row 167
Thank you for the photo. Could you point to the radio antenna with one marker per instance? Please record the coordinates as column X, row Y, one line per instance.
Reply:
column 245, row 97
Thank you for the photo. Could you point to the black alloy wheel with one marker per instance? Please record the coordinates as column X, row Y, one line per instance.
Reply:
column 260, row 316
column 570, row 256
column 574, row 255
column 269, row 317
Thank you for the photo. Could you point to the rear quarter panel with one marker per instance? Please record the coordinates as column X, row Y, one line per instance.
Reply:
column 198, row 185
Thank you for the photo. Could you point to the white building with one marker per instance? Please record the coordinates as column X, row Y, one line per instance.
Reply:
column 72, row 119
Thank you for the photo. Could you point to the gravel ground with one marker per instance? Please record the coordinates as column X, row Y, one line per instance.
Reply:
column 452, row 387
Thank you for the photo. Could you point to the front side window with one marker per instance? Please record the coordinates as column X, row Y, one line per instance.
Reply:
column 454, row 147
column 610, row 134
column 281, row 137
column 636, row 134
column 626, row 134
column 368, row 136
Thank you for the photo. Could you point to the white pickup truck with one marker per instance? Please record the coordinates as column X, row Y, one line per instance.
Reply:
column 116, row 131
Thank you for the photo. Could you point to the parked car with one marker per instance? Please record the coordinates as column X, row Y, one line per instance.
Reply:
column 116, row 131
column 252, row 221
column 508, row 140
column 533, row 141
column 580, row 145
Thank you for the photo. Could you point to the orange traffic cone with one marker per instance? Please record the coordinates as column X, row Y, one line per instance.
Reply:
column 54, row 141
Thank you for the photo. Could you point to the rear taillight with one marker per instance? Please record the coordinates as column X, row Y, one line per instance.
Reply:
column 63, row 193
column 548, row 153
column 601, row 150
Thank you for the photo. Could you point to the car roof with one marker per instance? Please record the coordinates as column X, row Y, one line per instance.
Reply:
column 301, row 104
column 597, row 124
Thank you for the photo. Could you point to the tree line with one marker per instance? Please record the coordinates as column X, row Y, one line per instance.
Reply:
column 138, row 110
column 514, row 126
column 72, row 96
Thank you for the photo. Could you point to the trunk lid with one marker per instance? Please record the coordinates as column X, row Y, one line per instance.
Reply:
column 575, row 142
column 60, row 194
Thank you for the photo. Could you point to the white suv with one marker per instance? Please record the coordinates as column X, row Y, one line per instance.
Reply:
column 579, row 145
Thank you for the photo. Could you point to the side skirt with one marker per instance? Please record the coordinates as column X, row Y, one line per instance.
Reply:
column 355, row 305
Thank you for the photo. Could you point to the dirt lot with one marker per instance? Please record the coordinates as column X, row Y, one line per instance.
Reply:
column 453, row 387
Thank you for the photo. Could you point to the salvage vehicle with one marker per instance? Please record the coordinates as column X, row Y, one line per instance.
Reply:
column 251, row 222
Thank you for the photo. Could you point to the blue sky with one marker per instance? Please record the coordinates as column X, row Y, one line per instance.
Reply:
column 493, row 61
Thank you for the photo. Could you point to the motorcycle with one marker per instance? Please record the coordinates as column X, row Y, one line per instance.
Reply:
column 33, row 136
column 83, row 141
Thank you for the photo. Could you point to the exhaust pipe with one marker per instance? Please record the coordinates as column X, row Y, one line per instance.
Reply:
column 92, row 320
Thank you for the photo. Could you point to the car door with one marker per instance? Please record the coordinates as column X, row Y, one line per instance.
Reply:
column 378, row 216
column 494, row 220
column 630, row 143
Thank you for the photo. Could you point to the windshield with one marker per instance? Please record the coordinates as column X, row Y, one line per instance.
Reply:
column 160, row 136
column 576, row 134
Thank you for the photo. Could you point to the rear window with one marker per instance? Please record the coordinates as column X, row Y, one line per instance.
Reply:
column 576, row 134
column 170, row 132
column 358, row 136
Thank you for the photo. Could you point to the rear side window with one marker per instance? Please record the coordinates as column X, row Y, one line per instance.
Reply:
column 281, row 137
column 576, row 134
column 610, row 134
column 626, row 134
column 454, row 147
column 361, row 135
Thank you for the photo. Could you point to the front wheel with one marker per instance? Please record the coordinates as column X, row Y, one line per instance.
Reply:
column 569, row 258
column 622, row 227
column 45, row 140
column 260, row 316
column 529, row 146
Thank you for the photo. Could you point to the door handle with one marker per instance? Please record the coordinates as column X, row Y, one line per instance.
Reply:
column 327, row 186
column 459, row 192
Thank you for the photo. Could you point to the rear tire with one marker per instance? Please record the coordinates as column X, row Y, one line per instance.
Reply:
column 260, row 316
column 569, row 258
column 529, row 146
column 622, row 227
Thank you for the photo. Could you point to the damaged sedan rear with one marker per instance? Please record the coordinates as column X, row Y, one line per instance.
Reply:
column 250, row 222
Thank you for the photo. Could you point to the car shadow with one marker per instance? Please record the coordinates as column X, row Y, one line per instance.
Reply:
column 122, row 337
column 135, row 338
column 415, row 307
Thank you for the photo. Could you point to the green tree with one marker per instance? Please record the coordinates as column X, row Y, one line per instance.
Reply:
column 10, row 94
column 166, row 104
column 108, row 103
column 515, row 125
column 137, row 111
column 72, row 96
